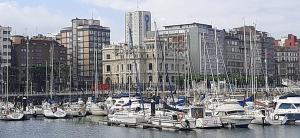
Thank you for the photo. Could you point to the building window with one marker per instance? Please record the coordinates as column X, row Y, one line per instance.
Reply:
column 173, row 78
column 150, row 66
column 160, row 78
column 107, row 68
column 150, row 79
column 166, row 67
column 122, row 67
column 108, row 56
column 172, row 66
column 160, row 66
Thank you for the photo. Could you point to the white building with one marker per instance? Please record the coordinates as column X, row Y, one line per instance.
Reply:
column 119, row 66
column 5, row 53
column 5, row 46
column 140, row 23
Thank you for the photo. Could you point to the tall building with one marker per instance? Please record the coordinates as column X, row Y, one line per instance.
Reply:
column 140, row 24
column 287, row 58
column 5, row 52
column 84, row 41
column 39, row 53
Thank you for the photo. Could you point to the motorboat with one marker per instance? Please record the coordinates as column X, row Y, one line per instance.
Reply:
column 203, row 117
column 127, row 117
column 232, row 115
column 286, row 111
column 99, row 109
column 172, row 120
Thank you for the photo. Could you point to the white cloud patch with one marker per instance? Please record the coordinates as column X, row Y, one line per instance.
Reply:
column 278, row 17
column 30, row 20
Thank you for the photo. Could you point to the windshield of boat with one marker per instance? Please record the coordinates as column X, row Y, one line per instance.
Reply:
column 236, row 112
column 297, row 105
column 286, row 106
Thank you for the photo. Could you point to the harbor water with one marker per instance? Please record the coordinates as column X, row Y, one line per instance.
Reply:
column 89, row 127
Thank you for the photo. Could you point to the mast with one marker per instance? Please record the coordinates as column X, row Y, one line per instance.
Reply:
column 59, row 77
column 205, row 64
column 70, row 82
column 217, row 62
column 245, row 64
column 266, row 74
column 46, row 88
column 51, row 75
column 156, row 56
column 7, row 81
column 254, row 66
column 164, row 69
column 251, row 50
column 27, row 71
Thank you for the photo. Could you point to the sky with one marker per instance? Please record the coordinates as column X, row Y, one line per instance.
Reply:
column 31, row 17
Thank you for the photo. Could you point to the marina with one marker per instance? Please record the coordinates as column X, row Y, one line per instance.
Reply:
column 89, row 127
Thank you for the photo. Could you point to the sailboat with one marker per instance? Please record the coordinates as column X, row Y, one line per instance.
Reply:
column 51, row 109
column 129, row 116
column 10, row 113
column 97, row 108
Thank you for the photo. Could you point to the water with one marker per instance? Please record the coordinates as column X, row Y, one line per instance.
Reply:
column 86, row 127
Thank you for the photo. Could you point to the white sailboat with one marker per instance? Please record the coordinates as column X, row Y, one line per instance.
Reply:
column 52, row 110
column 97, row 108
column 10, row 113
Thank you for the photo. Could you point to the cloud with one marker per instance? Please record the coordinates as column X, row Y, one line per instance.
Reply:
column 30, row 20
column 275, row 16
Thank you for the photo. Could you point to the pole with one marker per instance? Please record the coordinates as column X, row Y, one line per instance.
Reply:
column 51, row 76
column 27, row 71
column 217, row 62
column 245, row 65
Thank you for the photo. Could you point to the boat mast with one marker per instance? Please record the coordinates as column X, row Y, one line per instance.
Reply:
column 245, row 64
column 51, row 75
column 252, row 64
column 156, row 57
column 7, row 81
column 164, row 69
column 70, row 82
column 266, row 74
column 46, row 88
column 27, row 71
column 205, row 64
column 59, row 77
column 217, row 62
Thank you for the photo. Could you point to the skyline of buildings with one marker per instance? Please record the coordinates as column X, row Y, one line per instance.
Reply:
column 195, row 48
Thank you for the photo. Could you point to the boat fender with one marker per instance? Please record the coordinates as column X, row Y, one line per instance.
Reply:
column 276, row 116
column 180, row 116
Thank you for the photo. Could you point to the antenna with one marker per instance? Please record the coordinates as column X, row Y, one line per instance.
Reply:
column 92, row 14
column 137, row 5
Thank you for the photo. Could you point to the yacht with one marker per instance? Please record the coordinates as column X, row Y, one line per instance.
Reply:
column 203, row 118
column 233, row 115
column 286, row 111
column 167, row 119
column 99, row 109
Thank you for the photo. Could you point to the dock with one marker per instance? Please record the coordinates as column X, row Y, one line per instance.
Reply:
column 143, row 126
